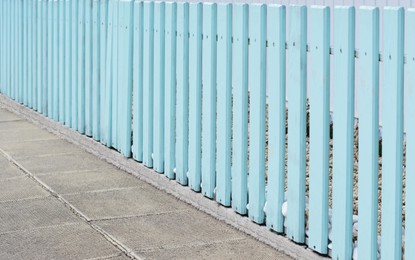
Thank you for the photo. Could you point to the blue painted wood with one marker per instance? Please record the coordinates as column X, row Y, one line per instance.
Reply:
column 368, row 103
column 96, row 69
column 68, row 63
column 195, row 94
column 88, row 68
column 148, row 83
column 81, row 67
column 45, row 67
column 115, row 65
column 319, row 96
column 276, row 16
column 55, row 68
column 34, row 53
column 2, row 50
column 61, row 49
column 182, row 112
column 257, row 87
column 125, row 76
column 29, row 44
column 106, row 131
column 49, row 48
column 343, row 127
column 208, row 162
column 20, row 54
column 410, row 135
column 296, row 92
column 239, row 169
column 138, row 82
column 159, row 81
column 392, row 132
column 170, row 90
column 224, row 104
column 103, row 21
column 74, row 58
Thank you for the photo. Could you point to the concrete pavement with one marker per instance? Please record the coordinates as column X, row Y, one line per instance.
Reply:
column 59, row 202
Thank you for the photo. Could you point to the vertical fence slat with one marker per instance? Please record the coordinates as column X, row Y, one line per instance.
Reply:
column 20, row 52
column 239, row 169
column 392, row 137
column 74, row 57
column 257, row 88
column 182, row 112
column 114, row 74
column 195, row 94
column 81, row 67
column 148, row 83
column 125, row 76
column 68, row 63
column 96, row 69
column 55, row 68
column 170, row 90
column 35, row 54
column 319, row 68
column 159, row 79
column 296, row 92
column 343, row 124
column 103, row 21
column 45, row 59
column 88, row 68
column 2, row 49
column 209, row 100
column 368, row 103
column 106, row 133
column 49, row 55
column 276, row 115
column 410, row 135
column 138, row 82
column 39, row 49
column 62, row 43
column 224, row 104
column 8, row 47
column 29, row 45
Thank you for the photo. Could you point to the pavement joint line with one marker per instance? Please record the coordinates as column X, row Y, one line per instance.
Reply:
column 8, row 121
column 25, row 199
column 128, row 252
column 101, row 190
column 66, row 172
column 37, row 228
column 139, row 215
column 104, row 257
column 159, row 181
column 46, row 155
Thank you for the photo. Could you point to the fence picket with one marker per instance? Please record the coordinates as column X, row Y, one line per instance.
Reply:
column 170, row 90
column 410, row 135
column 148, row 83
column 276, row 15
column 392, row 140
column 368, row 103
column 103, row 33
column 74, row 57
column 257, row 86
column 49, row 55
column 343, row 129
column 55, row 68
column 68, row 63
column 29, row 45
column 138, row 82
column 208, row 161
column 96, row 69
column 81, row 67
column 319, row 89
column 195, row 94
column 296, row 93
column 239, row 171
column 224, row 105
column 159, row 80
column 182, row 112
column 20, row 54
column 114, row 70
column 61, row 51
column 88, row 67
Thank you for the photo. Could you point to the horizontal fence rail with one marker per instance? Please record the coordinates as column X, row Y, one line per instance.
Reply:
column 235, row 101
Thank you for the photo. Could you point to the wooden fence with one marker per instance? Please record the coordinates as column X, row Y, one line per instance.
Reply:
column 198, row 91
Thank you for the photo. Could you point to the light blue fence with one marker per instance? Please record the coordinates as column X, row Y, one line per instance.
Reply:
column 198, row 91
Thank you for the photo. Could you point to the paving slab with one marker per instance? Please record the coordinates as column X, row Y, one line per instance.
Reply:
column 19, row 150
column 20, row 188
column 138, row 201
column 75, row 241
column 7, row 116
column 8, row 169
column 79, row 182
column 24, row 134
column 246, row 248
column 55, row 164
column 33, row 213
column 20, row 125
column 177, row 229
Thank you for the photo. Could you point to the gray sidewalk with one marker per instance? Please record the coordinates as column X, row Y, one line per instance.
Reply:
column 59, row 202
